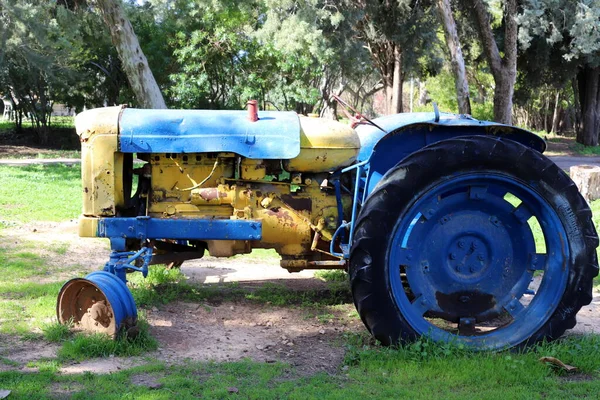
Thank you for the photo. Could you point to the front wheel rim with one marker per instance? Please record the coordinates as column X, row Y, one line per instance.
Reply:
column 464, row 264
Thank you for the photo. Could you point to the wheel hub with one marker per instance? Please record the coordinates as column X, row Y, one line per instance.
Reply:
column 468, row 258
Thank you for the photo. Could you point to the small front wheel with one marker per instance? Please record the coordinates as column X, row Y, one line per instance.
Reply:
column 475, row 240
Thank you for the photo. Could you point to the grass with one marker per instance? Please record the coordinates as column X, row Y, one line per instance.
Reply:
column 39, row 193
column 81, row 347
column 422, row 370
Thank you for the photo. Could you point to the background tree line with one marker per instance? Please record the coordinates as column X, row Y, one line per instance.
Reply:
column 535, row 63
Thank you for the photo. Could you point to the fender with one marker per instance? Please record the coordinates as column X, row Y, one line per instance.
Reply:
column 409, row 132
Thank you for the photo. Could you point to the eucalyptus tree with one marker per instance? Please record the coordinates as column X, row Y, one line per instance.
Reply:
column 135, row 64
column 400, row 37
column 569, row 31
column 502, row 60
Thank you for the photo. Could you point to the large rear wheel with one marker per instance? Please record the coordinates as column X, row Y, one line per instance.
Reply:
column 475, row 240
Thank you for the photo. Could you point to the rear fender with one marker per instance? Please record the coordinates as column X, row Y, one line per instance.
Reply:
column 382, row 151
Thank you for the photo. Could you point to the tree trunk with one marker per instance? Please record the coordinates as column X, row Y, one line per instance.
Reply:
column 589, row 98
column 396, row 100
column 457, row 60
column 555, row 114
column 134, row 61
column 504, row 69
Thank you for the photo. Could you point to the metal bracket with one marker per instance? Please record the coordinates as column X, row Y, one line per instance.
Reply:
column 122, row 261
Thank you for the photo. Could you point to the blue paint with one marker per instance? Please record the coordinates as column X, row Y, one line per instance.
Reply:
column 143, row 228
column 276, row 135
column 462, row 236
column 449, row 125
column 121, row 262
column 117, row 294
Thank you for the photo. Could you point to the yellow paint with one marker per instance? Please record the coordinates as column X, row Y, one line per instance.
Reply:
column 102, row 166
column 88, row 226
column 253, row 170
column 325, row 145
column 225, row 186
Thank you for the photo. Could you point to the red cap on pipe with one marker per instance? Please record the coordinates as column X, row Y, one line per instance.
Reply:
column 252, row 110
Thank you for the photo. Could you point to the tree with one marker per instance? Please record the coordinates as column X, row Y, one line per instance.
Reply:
column 568, row 31
column 456, row 58
column 399, row 37
column 35, row 58
column 134, row 61
column 503, row 68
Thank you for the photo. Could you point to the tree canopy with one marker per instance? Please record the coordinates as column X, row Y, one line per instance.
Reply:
column 382, row 56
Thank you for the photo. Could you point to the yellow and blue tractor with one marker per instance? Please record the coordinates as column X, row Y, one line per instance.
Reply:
column 449, row 227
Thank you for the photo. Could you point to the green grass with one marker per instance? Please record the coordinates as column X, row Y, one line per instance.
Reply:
column 42, row 154
column 586, row 150
column 82, row 346
column 422, row 370
column 39, row 193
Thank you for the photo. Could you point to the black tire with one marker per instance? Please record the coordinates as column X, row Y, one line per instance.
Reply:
column 379, row 304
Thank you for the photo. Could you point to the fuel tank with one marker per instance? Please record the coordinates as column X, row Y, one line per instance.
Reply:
column 325, row 145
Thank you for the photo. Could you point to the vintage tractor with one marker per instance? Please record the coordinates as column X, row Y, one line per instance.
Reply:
column 449, row 227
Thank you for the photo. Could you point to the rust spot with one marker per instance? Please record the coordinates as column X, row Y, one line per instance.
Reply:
column 209, row 194
column 297, row 203
column 280, row 214
column 464, row 304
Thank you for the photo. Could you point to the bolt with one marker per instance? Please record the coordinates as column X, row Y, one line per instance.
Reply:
column 368, row 259
column 423, row 302
column 430, row 212
column 472, row 269
column 457, row 268
column 461, row 243
column 409, row 257
column 464, row 299
column 534, row 260
column 453, row 256
column 474, row 244
column 480, row 257
column 477, row 195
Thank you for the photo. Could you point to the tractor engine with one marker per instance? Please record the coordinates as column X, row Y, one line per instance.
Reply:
column 293, row 198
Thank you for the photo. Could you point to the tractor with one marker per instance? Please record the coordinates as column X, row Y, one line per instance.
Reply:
column 449, row 227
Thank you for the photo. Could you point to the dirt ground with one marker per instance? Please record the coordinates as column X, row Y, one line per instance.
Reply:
column 203, row 331
column 226, row 331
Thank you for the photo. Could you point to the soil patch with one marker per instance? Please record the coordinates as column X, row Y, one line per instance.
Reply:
column 309, row 339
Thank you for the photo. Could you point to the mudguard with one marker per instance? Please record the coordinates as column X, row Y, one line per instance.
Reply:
column 406, row 133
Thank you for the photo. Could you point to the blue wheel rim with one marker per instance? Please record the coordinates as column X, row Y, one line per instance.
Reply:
column 465, row 252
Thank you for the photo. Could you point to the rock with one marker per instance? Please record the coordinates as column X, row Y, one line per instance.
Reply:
column 4, row 394
column 587, row 179
column 233, row 389
column 322, row 331
column 260, row 347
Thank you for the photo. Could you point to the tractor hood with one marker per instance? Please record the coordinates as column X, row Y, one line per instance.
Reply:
column 276, row 135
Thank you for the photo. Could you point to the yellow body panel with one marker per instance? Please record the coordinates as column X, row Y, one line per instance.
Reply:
column 101, row 164
column 298, row 213
column 325, row 145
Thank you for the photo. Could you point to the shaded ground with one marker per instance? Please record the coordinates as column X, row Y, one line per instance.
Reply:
column 309, row 339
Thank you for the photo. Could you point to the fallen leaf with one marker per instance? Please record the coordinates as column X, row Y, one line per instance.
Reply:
column 557, row 363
